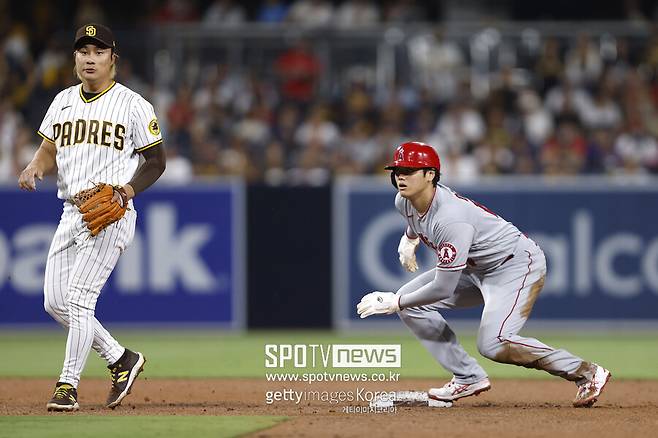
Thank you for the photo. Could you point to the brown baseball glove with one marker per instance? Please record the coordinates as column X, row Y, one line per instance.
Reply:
column 101, row 206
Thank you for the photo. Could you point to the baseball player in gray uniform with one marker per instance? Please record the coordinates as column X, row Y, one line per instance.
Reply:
column 93, row 132
column 481, row 259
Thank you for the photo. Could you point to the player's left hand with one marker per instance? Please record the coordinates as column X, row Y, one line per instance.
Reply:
column 407, row 252
column 27, row 178
column 378, row 303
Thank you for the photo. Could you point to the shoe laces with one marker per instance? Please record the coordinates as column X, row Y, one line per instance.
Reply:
column 587, row 386
column 63, row 390
column 114, row 372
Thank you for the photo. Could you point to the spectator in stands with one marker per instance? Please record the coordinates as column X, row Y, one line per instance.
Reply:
column 235, row 159
column 423, row 127
column 89, row 11
column 402, row 11
column 127, row 76
column 286, row 121
column 318, row 130
column 437, row 64
column 636, row 98
column 601, row 156
column 180, row 117
column 272, row 11
column 357, row 104
column 601, row 111
column 565, row 152
column 298, row 69
column 549, row 66
column 224, row 13
column 536, row 122
column 636, row 147
column 356, row 14
column 360, row 147
column 179, row 168
column 274, row 164
column 461, row 127
column 583, row 64
column 312, row 165
column 254, row 128
column 10, row 124
column 176, row 11
column 494, row 154
column 312, row 13
column 566, row 99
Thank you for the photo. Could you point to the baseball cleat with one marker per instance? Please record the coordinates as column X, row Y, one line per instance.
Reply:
column 123, row 373
column 64, row 399
column 590, row 390
column 452, row 390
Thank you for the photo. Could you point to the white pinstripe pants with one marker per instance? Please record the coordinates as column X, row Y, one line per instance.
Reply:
column 77, row 268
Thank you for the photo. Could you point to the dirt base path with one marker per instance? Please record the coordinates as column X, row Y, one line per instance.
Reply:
column 513, row 408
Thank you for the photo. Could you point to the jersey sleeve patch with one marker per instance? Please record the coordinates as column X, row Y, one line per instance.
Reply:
column 154, row 127
column 447, row 253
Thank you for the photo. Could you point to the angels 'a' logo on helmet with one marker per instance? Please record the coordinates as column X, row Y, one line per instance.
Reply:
column 447, row 253
column 399, row 155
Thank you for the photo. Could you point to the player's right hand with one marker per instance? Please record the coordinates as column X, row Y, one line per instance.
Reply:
column 407, row 251
column 27, row 178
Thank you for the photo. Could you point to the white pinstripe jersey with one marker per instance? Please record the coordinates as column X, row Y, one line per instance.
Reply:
column 462, row 233
column 98, row 140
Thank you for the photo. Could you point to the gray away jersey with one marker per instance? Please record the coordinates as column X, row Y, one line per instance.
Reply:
column 98, row 139
column 462, row 233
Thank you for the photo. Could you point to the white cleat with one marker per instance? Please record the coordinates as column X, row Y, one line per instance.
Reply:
column 590, row 390
column 452, row 390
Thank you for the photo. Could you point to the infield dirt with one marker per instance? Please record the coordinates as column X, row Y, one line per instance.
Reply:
column 512, row 408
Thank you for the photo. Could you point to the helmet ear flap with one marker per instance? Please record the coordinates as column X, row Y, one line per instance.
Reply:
column 395, row 184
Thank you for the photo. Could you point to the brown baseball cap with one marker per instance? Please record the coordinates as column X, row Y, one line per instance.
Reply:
column 96, row 34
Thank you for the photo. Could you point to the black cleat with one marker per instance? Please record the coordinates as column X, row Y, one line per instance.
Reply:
column 123, row 373
column 65, row 398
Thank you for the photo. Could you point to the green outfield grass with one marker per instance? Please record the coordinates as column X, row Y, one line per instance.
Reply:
column 81, row 426
column 194, row 353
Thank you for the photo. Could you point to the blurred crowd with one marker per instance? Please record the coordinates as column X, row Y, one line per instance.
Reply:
column 578, row 105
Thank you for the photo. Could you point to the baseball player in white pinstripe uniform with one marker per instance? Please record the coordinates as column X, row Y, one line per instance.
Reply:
column 481, row 259
column 93, row 132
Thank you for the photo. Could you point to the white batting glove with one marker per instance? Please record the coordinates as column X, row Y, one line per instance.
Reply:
column 407, row 251
column 378, row 303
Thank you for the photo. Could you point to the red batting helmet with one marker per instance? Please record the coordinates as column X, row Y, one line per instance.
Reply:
column 415, row 155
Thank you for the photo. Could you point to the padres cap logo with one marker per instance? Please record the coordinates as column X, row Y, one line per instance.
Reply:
column 154, row 127
column 90, row 31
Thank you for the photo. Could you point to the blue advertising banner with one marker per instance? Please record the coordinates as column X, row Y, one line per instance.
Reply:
column 600, row 241
column 185, row 264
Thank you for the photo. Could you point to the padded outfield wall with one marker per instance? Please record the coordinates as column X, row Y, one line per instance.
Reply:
column 227, row 256
column 600, row 238
column 185, row 264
